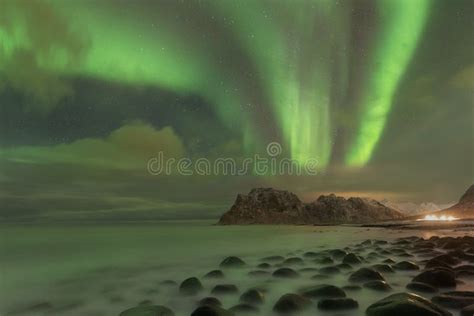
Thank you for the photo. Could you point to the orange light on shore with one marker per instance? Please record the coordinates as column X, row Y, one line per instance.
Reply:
column 438, row 218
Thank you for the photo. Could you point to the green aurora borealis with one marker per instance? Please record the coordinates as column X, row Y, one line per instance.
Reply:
column 294, row 67
column 322, row 77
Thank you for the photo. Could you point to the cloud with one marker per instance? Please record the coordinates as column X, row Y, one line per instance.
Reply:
column 128, row 147
column 464, row 79
column 29, row 48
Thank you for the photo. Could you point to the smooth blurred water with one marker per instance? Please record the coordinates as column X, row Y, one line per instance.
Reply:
column 103, row 269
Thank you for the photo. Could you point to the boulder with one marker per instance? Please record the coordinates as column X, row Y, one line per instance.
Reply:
column 366, row 275
column 406, row 304
column 291, row 302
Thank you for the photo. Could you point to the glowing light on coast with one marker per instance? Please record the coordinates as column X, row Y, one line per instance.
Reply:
column 438, row 218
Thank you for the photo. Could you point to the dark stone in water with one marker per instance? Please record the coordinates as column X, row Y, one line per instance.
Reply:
column 323, row 290
column 381, row 286
column 447, row 259
column 211, row 310
column 291, row 302
column 148, row 310
column 244, row 308
column 385, row 268
column 210, row 301
column 337, row 253
column 264, row 265
column 454, row 299
column 190, row 286
column 214, row 274
column 344, row 266
column 252, row 296
column 365, row 275
column 285, row 273
column 352, row 258
column 421, row 287
column 311, row 254
column 468, row 311
column 405, row 304
column 437, row 278
column 225, row 289
column 337, row 304
column 232, row 262
column 406, row 265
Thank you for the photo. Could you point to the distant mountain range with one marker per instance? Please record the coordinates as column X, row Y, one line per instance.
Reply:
column 410, row 208
column 270, row 206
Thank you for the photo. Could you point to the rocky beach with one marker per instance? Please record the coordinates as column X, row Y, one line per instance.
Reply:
column 266, row 270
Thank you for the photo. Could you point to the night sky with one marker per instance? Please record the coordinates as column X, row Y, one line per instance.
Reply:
column 379, row 92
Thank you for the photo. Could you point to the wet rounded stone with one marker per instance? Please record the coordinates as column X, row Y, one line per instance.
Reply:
column 352, row 258
column 381, row 286
column 243, row 308
column 437, row 278
column 293, row 261
column 366, row 275
column 406, row 304
column 214, row 274
column 406, row 266
column 148, row 310
column 210, row 310
column 224, row 289
column 311, row 254
column 309, row 269
column 446, row 259
column 323, row 290
column 468, row 310
column 232, row 262
column 291, row 302
column 285, row 273
column 385, row 268
column 210, row 301
column 145, row 302
column 264, row 265
column 337, row 253
column 190, row 286
column 454, row 299
column 252, row 296
column 421, row 287
column 329, row 270
column 337, row 304
column 344, row 266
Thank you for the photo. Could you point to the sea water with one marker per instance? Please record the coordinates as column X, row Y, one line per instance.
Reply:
column 103, row 269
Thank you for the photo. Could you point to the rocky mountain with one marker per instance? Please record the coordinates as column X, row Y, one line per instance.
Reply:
column 464, row 208
column 270, row 206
